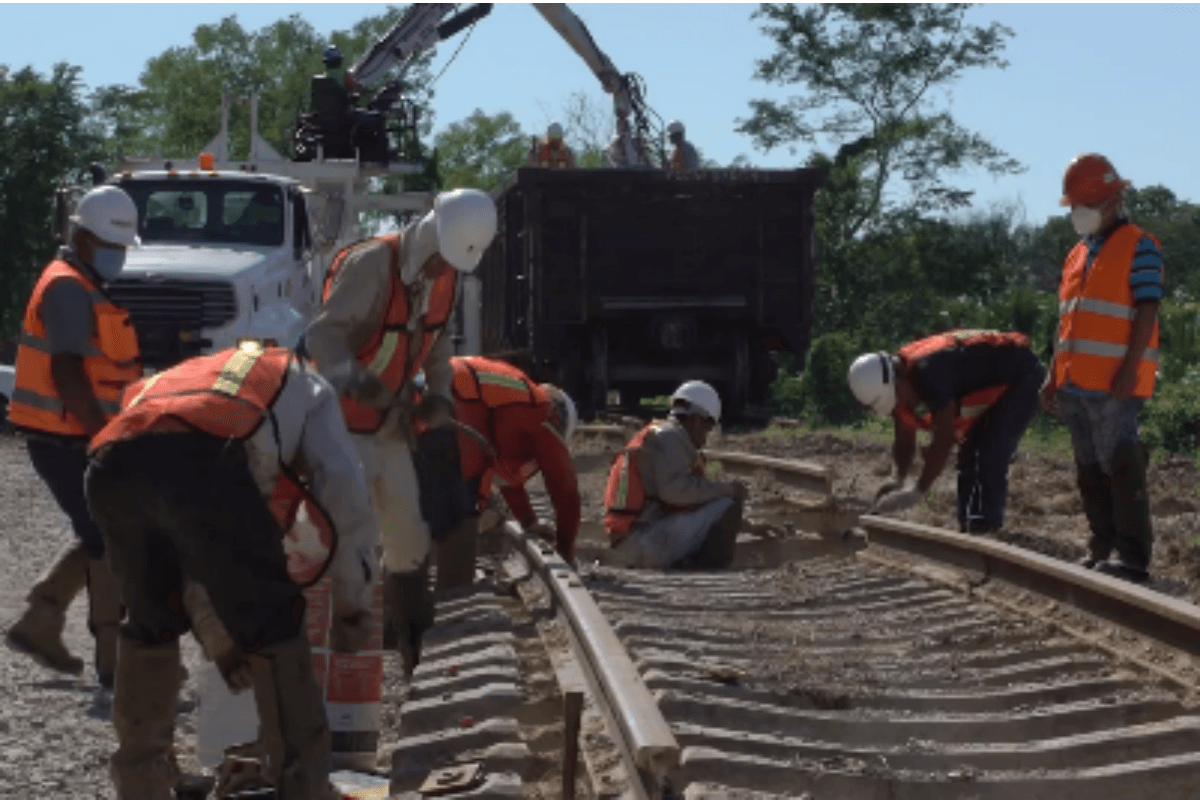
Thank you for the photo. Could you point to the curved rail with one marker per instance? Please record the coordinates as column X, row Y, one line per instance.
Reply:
column 641, row 733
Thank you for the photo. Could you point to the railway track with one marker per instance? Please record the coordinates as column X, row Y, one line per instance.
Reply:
column 914, row 664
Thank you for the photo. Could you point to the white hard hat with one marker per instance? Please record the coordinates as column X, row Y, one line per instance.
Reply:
column 675, row 127
column 699, row 395
column 565, row 407
column 555, row 131
column 466, row 225
column 108, row 212
column 872, row 379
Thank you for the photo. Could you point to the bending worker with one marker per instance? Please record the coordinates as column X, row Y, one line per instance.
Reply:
column 196, row 479
column 660, row 509
column 975, row 387
column 386, row 305
column 1105, row 363
column 527, row 427
column 550, row 152
column 78, row 350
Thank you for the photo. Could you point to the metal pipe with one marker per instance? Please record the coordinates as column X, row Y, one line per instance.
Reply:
column 641, row 728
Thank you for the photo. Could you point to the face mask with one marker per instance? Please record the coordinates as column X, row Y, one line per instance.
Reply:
column 1086, row 220
column 108, row 261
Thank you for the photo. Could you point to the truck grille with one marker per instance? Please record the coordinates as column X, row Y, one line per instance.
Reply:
column 178, row 303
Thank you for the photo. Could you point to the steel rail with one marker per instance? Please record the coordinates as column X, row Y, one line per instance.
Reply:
column 643, row 737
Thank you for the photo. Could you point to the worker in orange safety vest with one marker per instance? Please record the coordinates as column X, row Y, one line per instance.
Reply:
column 77, row 352
column 974, row 388
column 523, row 428
column 550, row 152
column 1106, row 362
column 196, row 479
column 386, row 306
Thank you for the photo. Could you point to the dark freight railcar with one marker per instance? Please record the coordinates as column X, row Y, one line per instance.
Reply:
column 637, row 280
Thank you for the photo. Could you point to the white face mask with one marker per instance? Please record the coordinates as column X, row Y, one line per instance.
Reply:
column 1086, row 220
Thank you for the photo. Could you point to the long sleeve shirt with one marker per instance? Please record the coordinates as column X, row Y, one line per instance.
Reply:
column 310, row 426
column 358, row 301
column 525, row 443
column 673, row 473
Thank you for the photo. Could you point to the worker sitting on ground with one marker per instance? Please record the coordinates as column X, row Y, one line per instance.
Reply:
column 975, row 387
column 386, row 304
column 196, row 480
column 551, row 152
column 684, row 157
column 77, row 352
column 660, row 507
column 526, row 428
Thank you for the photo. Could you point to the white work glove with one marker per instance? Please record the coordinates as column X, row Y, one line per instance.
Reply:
column 900, row 499
column 353, row 582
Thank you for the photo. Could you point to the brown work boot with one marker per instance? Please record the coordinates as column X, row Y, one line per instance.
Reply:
column 39, row 630
column 456, row 555
column 294, row 737
column 143, row 716
column 104, row 617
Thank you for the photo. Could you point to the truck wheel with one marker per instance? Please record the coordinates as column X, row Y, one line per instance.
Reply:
column 598, row 371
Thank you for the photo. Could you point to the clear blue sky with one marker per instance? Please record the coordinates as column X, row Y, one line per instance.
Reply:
column 1118, row 79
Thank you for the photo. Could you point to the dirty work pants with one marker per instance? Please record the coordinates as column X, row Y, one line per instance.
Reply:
column 61, row 465
column 1111, row 473
column 671, row 539
column 392, row 481
column 185, row 504
column 984, row 456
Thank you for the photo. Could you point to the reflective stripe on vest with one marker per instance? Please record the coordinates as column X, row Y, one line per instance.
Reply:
column 386, row 352
column 970, row 407
column 498, row 384
column 110, row 360
column 1096, row 313
column 227, row 395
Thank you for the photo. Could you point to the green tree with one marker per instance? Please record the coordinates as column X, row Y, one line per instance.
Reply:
column 177, row 107
column 482, row 151
column 44, row 139
column 871, row 73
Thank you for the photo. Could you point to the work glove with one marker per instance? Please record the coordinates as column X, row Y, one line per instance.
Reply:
column 367, row 388
column 435, row 411
column 444, row 496
column 900, row 499
column 887, row 487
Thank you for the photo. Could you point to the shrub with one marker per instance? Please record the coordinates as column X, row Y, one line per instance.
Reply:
column 820, row 395
column 1171, row 417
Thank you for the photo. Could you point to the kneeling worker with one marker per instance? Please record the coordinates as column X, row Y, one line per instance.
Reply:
column 976, row 387
column 660, row 508
column 194, row 481
column 527, row 427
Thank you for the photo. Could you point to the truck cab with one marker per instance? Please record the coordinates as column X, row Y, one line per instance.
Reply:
column 225, row 257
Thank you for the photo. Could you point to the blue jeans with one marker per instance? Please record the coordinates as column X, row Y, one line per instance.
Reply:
column 61, row 465
column 984, row 456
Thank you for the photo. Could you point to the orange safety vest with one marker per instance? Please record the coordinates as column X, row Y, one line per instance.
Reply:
column 1095, row 317
column 625, row 492
column 551, row 157
column 497, row 384
column 386, row 351
column 110, row 364
column 228, row 395
column 972, row 406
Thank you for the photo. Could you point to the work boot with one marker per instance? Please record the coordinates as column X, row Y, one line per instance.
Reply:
column 294, row 737
column 718, row 547
column 143, row 716
column 1095, row 489
column 407, row 613
column 39, row 630
column 104, row 617
column 1131, row 510
column 456, row 555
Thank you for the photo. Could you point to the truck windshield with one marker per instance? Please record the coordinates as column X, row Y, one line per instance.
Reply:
column 208, row 210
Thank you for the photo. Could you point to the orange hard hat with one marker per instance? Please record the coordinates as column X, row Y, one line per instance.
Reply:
column 1090, row 179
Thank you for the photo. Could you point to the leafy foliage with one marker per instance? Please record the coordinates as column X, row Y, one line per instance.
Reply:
column 821, row 395
column 44, row 138
column 1171, row 419
column 482, row 151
